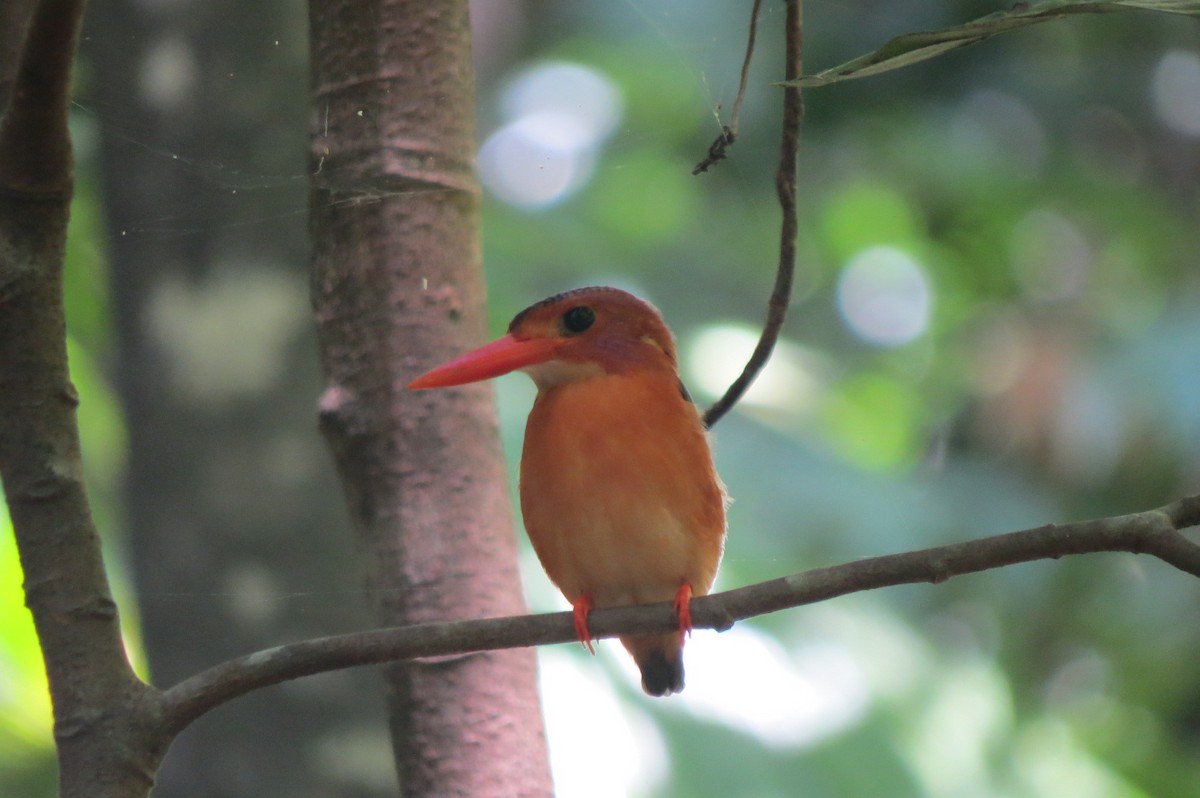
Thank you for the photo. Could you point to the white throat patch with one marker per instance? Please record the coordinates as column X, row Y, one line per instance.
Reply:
column 557, row 372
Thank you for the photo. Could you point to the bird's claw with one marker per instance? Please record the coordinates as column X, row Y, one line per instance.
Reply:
column 683, row 609
column 582, row 606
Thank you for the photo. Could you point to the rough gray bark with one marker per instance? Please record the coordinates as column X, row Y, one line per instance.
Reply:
column 398, row 285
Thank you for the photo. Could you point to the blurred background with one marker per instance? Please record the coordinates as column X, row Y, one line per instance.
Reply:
column 996, row 324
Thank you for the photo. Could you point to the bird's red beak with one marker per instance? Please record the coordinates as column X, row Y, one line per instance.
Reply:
column 490, row 360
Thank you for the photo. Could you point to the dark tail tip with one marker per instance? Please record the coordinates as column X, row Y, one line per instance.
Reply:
column 660, row 676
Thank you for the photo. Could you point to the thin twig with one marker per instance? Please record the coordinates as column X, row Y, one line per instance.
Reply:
column 785, row 187
column 716, row 150
column 1155, row 532
column 736, row 113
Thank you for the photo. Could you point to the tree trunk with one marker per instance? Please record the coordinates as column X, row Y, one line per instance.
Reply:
column 235, row 529
column 14, row 19
column 101, row 752
column 398, row 285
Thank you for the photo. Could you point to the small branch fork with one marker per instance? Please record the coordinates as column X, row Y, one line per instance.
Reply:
column 785, row 186
column 1155, row 532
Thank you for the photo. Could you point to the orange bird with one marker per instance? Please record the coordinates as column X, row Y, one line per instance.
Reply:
column 618, row 490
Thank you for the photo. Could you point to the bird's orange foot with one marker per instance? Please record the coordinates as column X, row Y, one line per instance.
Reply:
column 582, row 606
column 683, row 609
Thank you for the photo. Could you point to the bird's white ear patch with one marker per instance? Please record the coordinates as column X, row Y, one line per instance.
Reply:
column 557, row 372
column 649, row 339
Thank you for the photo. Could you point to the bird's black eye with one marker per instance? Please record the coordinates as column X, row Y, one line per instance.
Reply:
column 578, row 319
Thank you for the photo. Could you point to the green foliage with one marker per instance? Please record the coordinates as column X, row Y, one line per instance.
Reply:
column 873, row 421
column 863, row 215
column 27, row 767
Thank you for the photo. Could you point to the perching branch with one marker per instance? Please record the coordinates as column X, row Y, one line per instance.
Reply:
column 785, row 186
column 1155, row 532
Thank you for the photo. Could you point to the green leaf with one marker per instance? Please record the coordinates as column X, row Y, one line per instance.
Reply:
column 912, row 48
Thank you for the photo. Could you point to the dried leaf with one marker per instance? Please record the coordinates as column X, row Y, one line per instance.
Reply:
column 912, row 48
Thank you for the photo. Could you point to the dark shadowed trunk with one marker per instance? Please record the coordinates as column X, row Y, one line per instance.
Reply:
column 14, row 18
column 398, row 285
column 237, row 533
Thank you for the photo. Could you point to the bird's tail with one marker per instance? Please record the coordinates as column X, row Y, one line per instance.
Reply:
column 660, row 658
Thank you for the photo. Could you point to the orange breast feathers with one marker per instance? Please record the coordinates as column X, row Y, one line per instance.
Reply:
column 618, row 490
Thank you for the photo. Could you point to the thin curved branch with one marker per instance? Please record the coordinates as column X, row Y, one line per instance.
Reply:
column 785, row 186
column 744, row 78
column 1155, row 532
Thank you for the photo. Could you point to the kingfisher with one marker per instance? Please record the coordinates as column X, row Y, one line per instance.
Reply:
column 618, row 491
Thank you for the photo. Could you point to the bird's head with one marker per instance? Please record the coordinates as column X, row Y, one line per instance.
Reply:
column 570, row 336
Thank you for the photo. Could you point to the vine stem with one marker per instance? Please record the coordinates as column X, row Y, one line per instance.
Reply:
column 785, row 187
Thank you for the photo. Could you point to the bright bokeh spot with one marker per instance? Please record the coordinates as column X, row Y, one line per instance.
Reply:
column 578, row 93
column 559, row 115
column 884, row 296
column 966, row 716
column 892, row 657
column 789, row 381
column 599, row 747
column 170, row 73
column 785, row 699
column 1176, row 91
column 523, row 163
